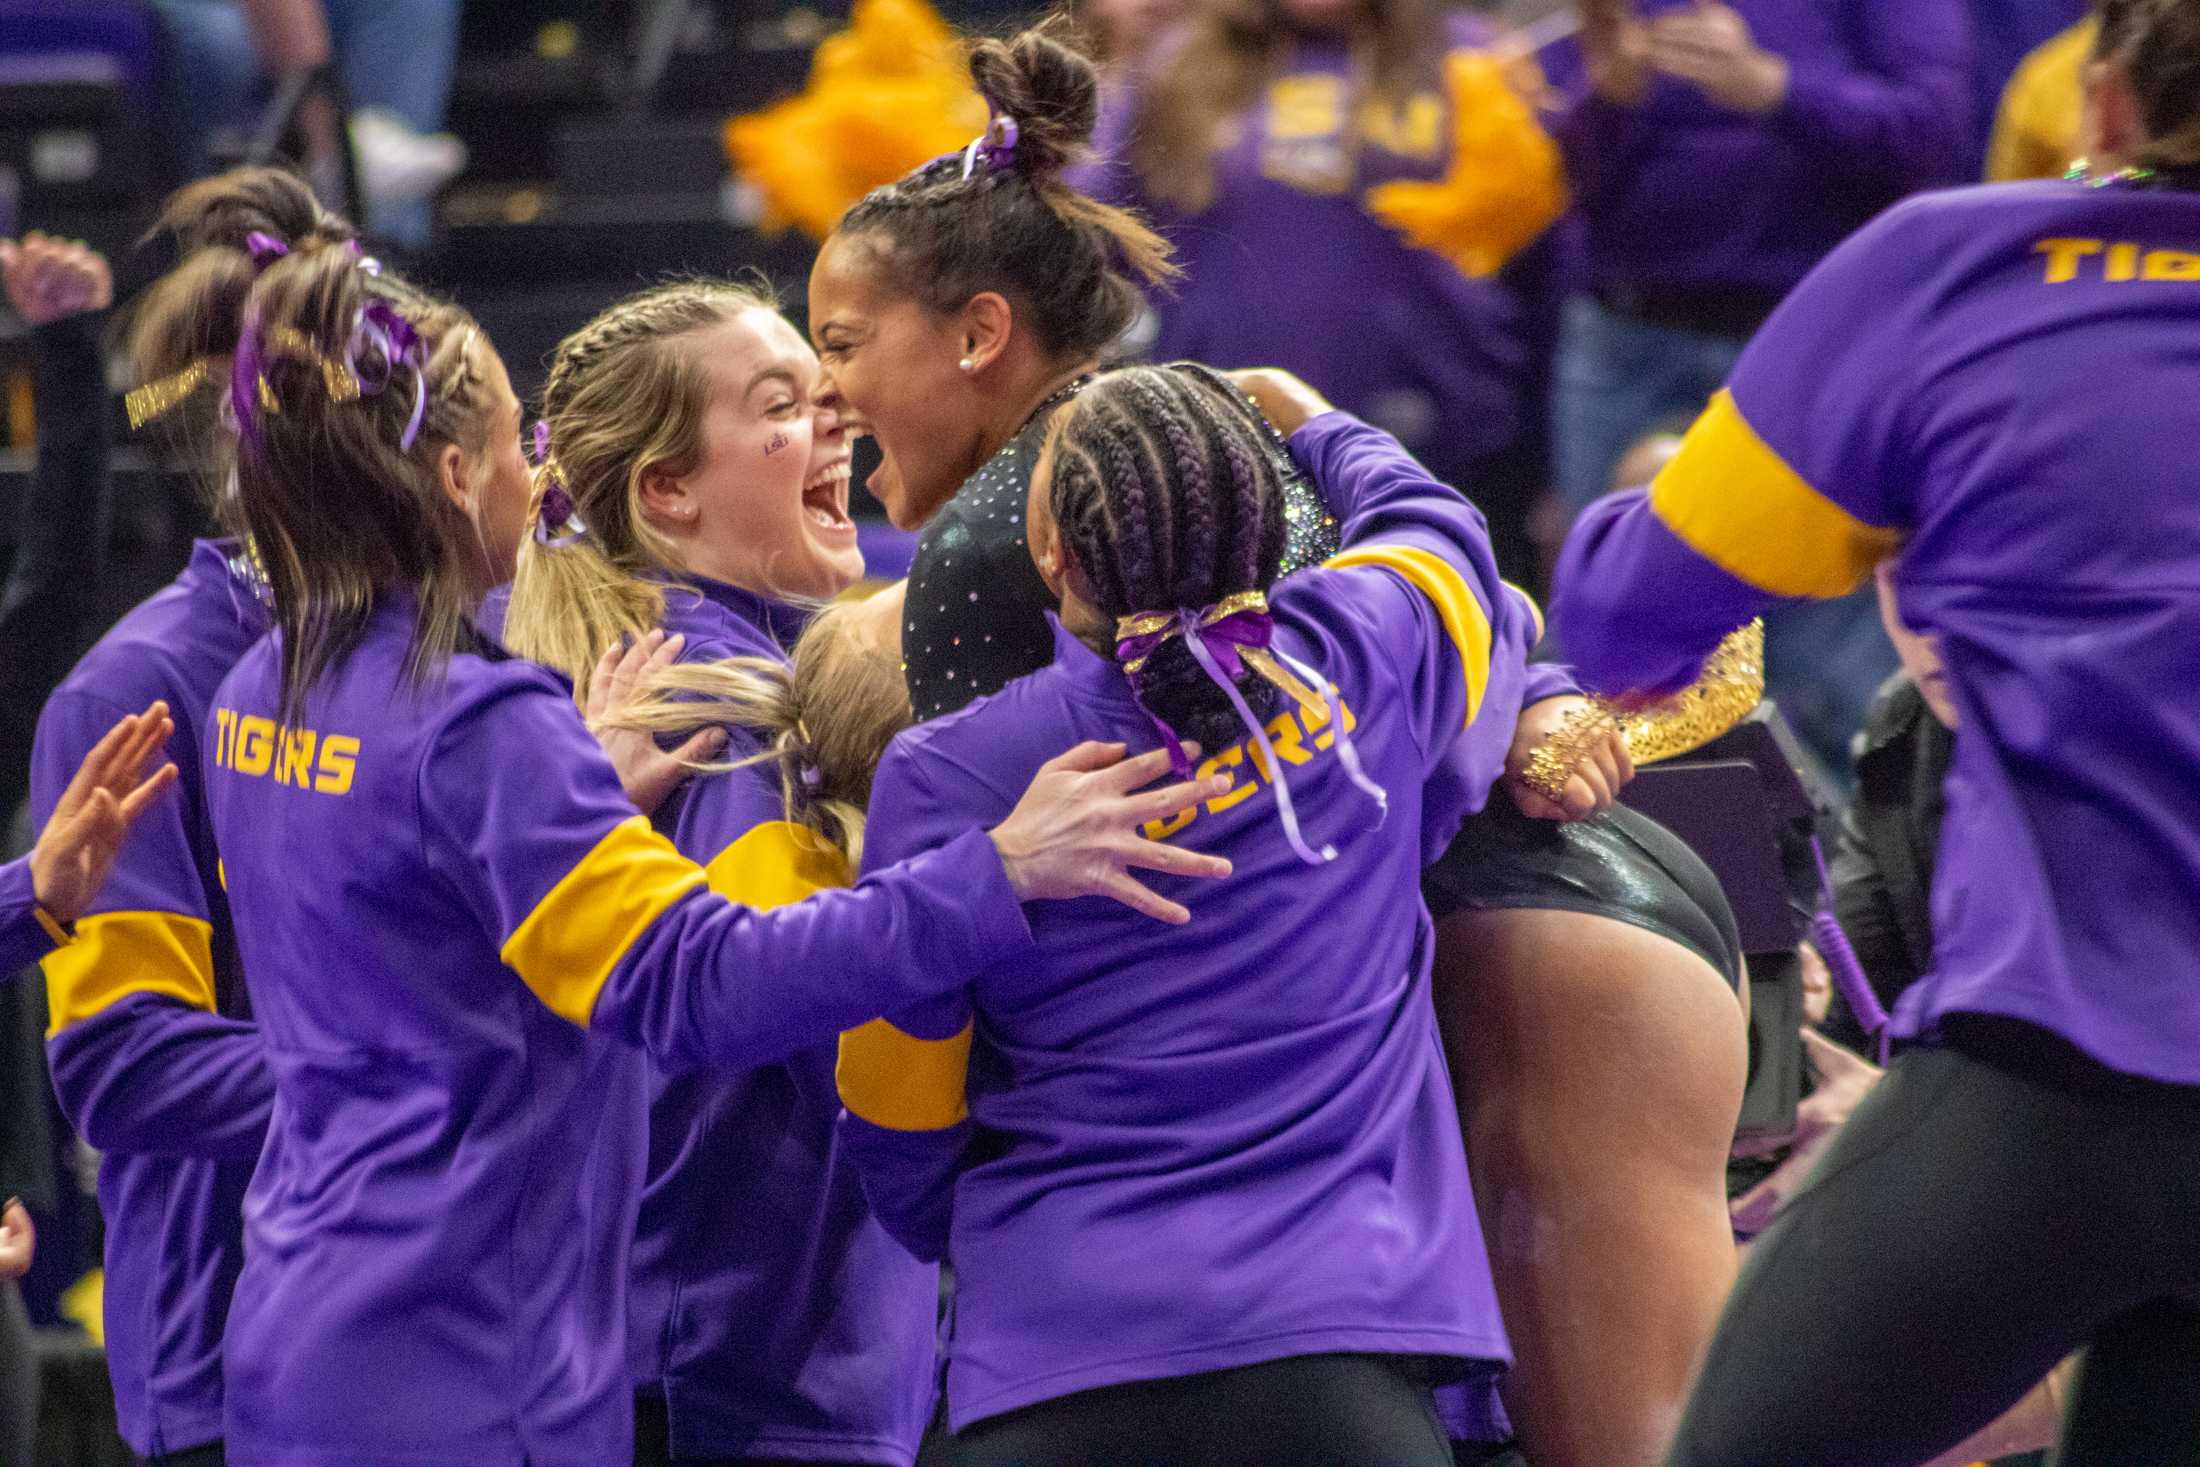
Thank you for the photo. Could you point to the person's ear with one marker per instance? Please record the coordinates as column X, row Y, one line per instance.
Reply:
column 450, row 468
column 987, row 324
column 665, row 500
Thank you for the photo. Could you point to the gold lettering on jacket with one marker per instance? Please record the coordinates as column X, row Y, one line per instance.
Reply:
column 304, row 758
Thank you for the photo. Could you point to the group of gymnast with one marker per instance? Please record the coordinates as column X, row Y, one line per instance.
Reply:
column 594, row 967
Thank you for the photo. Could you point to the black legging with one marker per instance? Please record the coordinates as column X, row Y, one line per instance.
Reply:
column 1971, row 1227
column 1308, row 1411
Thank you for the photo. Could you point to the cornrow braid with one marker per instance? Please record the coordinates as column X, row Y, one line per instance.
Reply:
column 1162, row 491
column 1191, row 541
column 1081, row 509
column 1142, row 556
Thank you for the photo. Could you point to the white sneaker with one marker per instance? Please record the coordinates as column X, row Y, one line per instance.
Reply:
column 398, row 165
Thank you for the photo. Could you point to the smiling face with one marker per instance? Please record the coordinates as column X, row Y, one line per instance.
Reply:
column 766, row 505
column 891, row 368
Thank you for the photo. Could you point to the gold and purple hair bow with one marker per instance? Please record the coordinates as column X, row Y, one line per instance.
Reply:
column 382, row 339
column 158, row 398
column 555, row 511
column 1225, row 639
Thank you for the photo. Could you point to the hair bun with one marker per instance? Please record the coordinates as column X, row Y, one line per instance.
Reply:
column 1051, row 89
column 222, row 211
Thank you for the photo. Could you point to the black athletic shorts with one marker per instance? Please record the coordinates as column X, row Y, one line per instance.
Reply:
column 1621, row 864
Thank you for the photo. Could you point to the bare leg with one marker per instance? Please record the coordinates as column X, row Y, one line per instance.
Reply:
column 1600, row 1070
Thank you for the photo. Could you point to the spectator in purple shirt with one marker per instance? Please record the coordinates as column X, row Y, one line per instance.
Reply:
column 1716, row 153
column 1258, row 140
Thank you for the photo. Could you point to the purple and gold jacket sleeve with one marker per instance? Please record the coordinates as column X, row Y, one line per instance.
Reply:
column 613, row 929
column 1788, row 487
column 143, row 1063
column 905, row 1114
column 1359, row 501
column 26, row 933
column 1396, row 518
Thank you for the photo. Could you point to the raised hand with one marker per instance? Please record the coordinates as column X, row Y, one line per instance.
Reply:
column 1282, row 398
column 1709, row 46
column 1075, row 831
column 77, row 849
column 647, row 773
column 49, row 279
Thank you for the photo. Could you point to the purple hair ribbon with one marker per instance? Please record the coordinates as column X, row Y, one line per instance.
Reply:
column 1225, row 639
column 246, row 383
column 1847, row 970
column 996, row 145
column 382, row 326
column 1347, row 755
column 264, row 248
column 556, row 507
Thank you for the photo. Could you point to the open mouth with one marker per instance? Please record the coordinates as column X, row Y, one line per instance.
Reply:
column 825, row 497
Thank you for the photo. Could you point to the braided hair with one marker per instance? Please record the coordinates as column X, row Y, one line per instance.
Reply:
column 1165, row 494
column 1009, row 223
column 628, row 392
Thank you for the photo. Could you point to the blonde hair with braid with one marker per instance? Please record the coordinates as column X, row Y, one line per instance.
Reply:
column 627, row 393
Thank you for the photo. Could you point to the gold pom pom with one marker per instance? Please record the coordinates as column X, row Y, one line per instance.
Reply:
column 1505, row 185
column 885, row 95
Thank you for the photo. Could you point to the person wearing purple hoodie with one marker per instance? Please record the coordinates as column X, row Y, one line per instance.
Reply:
column 1258, row 139
column 1993, row 381
column 1716, row 152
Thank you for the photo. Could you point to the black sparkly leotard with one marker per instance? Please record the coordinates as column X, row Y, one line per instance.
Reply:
column 975, row 620
column 975, row 617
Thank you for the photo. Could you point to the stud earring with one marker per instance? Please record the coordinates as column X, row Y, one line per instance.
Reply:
column 966, row 364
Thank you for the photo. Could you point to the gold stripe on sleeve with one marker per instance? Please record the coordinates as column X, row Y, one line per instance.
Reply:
column 775, row 864
column 569, row 944
column 1464, row 621
column 899, row 1082
column 118, row 954
column 1733, row 500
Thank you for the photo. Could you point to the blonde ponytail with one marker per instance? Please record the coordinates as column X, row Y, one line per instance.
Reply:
column 822, row 721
